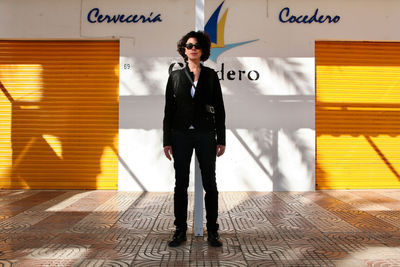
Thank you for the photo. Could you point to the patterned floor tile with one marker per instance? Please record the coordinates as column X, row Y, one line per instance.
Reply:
column 102, row 263
column 160, row 264
column 219, row 263
column 109, row 228
column 349, row 262
column 383, row 263
column 114, row 246
column 44, row 263
column 7, row 263
column 230, row 250
column 59, row 251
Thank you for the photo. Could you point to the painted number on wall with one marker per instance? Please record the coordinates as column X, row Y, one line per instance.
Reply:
column 127, row 66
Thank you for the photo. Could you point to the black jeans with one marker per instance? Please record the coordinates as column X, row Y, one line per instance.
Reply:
column 204, row 144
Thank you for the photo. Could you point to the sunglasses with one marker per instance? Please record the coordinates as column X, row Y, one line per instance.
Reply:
column 190, row 46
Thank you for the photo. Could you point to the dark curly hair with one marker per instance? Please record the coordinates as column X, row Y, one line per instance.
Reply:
column 202, row 38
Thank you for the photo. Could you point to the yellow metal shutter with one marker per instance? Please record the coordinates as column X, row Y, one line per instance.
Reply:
column 357, row 115
column 59, row 114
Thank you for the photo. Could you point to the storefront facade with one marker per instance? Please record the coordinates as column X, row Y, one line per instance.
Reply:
column 83, row 95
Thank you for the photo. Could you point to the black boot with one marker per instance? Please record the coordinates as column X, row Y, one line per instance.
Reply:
column 178, row 238
column 214, row 239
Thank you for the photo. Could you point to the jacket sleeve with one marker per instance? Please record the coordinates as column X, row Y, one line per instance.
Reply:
column 219, row 111
column 169, row 111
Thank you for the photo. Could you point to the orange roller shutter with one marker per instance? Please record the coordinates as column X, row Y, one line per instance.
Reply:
column 357, row 115
column 59, row 114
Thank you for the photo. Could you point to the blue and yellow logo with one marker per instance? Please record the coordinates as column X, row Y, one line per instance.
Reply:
column 216, row 30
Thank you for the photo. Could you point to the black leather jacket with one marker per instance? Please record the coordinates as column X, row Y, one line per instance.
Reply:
column 181, row 110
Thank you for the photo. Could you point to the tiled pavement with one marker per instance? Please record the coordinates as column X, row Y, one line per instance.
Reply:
column 109, row 228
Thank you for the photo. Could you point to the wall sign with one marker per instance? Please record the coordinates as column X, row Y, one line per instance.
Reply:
column 231, row 75
column 285, row 16
column 95, row 16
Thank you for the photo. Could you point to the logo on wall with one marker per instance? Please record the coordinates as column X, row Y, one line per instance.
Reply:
column 216, row 30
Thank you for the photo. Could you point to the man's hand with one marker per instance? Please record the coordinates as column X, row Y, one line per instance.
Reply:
column 168, row 152
column 220, row 150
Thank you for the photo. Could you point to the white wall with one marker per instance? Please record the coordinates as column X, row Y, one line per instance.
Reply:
column 270, row 120
column 37, row 19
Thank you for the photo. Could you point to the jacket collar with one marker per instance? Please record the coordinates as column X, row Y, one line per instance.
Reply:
column 201, row 66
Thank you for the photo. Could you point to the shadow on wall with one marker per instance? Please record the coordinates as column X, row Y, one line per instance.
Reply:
column 254, row 107
column 63, row 133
